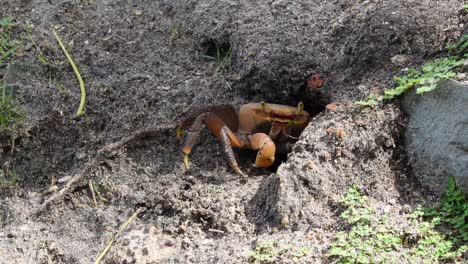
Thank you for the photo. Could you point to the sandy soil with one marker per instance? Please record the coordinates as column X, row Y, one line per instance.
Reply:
column 140, row 63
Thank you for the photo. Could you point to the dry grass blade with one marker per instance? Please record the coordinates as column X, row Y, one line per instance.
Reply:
column 122, row 228
column 91, row 188
column 78, row 75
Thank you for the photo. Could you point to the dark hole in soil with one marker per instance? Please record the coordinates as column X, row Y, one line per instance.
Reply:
column 217, row 50
column 279, row 158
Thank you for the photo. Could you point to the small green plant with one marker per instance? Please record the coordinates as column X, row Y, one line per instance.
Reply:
column 369, row 240
column 356, row 211
column 372, row 239
column 178, row 30
column 452, row 211
column 11, row 113
column 427, row 78
column 221, row 57
column 269, row 252
column 264, row 253
column 299, row 253
column 8, row 178
column 8, row 45
column 460, row 46
column 432, row 246
column 40, row 57
column 423, row 80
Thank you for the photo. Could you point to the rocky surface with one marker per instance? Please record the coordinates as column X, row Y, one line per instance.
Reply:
column 436, row 138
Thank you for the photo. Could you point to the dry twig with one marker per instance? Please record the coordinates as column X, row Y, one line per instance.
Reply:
column 91, row 188
column 80, row 179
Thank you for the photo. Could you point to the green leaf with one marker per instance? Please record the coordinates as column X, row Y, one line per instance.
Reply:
column 367, row 103
column 4, row 22
column 42, row 60
column 424, row 89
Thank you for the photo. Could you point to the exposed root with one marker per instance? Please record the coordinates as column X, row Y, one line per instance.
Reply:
column 81, row 179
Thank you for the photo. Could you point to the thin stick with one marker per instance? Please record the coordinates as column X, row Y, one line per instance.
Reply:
column 91, row 188
column 216, row 231
column 102, row 154
column 77, row 73
column 122, row 228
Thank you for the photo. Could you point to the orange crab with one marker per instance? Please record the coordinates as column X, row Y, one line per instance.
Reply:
column 247, row 130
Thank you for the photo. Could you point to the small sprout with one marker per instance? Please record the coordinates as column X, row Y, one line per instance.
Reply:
column 8, row 178
column 178, row 31
column 221, row 56
column 8, row 46
column 427, row 78
column 11, row 114
column 459, row 46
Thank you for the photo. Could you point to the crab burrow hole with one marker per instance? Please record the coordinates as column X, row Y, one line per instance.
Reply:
column 217, row 52
column 283, row 87
column 309, row 90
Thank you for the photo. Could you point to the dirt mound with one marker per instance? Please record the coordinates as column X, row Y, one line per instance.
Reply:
column 339, row 148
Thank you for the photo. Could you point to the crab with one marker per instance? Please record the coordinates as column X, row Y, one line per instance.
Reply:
column 267, row 128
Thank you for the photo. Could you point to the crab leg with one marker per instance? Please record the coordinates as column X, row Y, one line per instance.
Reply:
column 227, row 112
column 219, row 129
column 193, row 133
column 226, row 140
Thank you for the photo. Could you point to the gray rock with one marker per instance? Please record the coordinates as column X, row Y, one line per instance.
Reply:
column 437, row 135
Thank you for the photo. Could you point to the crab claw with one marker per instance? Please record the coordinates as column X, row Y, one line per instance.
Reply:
column 266, row 150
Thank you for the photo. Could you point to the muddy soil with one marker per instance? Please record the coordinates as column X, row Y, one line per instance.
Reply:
column 141, row 65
